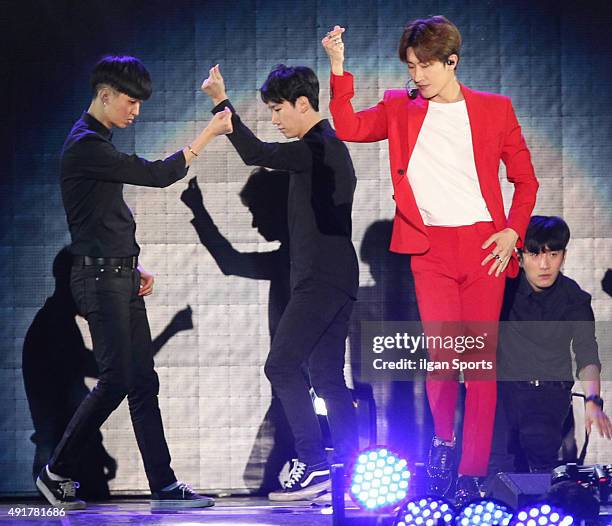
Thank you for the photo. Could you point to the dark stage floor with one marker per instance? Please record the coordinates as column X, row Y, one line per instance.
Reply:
column 236, row 511
column 244, row 511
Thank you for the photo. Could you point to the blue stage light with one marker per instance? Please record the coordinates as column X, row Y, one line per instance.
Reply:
column 426, row 511
column 481, row 512
column 542, row 515
column 379, row 479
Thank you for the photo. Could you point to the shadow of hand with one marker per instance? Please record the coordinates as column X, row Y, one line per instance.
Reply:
column 192, row 195
column 183, row 320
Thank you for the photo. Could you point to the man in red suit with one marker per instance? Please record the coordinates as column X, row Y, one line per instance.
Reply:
column 445, row 145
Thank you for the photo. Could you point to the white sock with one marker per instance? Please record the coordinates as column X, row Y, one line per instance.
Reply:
column 171, row 486
column 53, row 476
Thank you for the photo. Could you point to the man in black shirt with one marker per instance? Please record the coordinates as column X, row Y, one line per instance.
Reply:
column 108, row 285
column 545, row 314
column 324, row 272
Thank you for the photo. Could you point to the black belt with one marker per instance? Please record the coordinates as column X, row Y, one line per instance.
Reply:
column 87, row 261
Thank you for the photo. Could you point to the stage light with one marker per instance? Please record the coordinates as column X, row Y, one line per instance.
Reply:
column 426, row 511
column 541, row 515
column 379, row 479
column 485, row 512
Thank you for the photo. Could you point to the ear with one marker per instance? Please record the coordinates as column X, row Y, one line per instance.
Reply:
column 302, row 104
column 104, row 94
column 454, row 58
column 520, row 258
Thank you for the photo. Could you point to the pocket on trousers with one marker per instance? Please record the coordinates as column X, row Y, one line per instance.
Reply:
column 83, row 288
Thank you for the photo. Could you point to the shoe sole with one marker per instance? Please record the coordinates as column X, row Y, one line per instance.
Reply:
column 302, row 494
column 48, row 494
column 178, row 504
column 326, row 498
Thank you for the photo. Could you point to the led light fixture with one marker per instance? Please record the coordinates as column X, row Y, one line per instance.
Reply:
column 426, row 511
column 542, row 515
column 485, row 512
column 379, row 480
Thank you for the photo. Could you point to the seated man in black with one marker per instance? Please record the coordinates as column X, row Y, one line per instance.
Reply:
column 324, row 272
column 545, row 316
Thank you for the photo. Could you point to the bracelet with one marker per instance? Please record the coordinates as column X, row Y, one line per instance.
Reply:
column 189, row 148
column 596, row 399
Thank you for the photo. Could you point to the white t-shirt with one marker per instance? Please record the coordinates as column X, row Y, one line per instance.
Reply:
column 442, row 171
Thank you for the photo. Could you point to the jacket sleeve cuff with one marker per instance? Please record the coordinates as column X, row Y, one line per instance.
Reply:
column 341, row 83
column 222, row 105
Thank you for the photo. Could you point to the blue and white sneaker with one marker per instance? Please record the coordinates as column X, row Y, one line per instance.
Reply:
column 305, row 482
column 59, row 493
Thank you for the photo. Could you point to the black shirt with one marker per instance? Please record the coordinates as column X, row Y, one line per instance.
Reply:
column 321, row 187
column 92, row 176
column 539, row 328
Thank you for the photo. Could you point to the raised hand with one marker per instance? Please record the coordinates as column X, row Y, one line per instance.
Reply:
column 334, row 47
column 214, row 85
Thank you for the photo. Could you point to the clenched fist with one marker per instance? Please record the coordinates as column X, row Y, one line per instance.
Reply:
column 221, row 123
column 214, row 85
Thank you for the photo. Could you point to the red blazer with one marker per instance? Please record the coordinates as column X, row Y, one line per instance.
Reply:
column 496, row 135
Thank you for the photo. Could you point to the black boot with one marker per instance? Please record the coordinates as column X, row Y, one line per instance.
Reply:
column 440, row 466
column 468, row 489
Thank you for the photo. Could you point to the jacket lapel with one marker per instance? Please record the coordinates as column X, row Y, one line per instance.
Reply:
column 417, row 109
column 408, row 123
column 477, row 127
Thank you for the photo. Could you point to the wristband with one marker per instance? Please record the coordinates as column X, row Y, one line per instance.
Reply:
column 596, row 399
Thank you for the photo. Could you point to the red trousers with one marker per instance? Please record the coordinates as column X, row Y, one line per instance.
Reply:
column 452, row 285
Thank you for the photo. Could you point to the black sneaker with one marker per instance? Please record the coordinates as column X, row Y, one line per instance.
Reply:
column 468, row 489
column 59, row 493
column 182, row 496
column 440, row 466
column 305, row 482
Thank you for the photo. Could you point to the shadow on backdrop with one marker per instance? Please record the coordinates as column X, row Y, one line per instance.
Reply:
column 606, row 282
column 55, row 363
column 265, row 194
column 403, row 414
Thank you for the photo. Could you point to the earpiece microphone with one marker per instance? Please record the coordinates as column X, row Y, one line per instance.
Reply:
column 450, row 62
column 412, row 93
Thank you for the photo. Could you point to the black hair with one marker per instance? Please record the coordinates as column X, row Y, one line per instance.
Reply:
column 545, row 234
column 123, row 73
column 289, row 83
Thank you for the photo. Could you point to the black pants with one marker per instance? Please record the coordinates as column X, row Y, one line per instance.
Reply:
column 108, row 298
column 529, row 426
column 312, row 331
